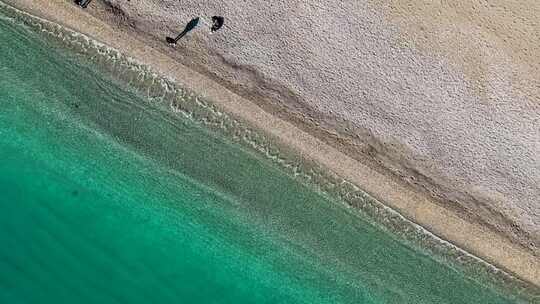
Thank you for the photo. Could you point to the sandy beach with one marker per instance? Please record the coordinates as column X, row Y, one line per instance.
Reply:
column 442, row 130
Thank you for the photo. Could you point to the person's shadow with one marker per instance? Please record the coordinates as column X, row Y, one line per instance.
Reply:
column 83, row 3
column 190, row 26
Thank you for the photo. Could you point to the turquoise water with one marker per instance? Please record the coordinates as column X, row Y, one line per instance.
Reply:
column 107, row 197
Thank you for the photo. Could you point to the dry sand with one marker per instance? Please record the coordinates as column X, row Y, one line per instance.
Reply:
column 444, row 95
column 432, row 110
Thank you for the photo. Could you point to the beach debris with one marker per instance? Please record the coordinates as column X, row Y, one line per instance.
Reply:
column 83, row 3
column 217, row 23
column 190, row 26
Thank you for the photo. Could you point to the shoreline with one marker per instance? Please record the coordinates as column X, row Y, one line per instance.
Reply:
column 415, row 206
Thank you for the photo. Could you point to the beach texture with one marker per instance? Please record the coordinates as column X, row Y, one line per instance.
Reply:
column 111, row 194
column 440, row 104
column 446, row 96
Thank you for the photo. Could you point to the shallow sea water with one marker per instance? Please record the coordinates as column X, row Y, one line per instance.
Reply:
column 106, row 197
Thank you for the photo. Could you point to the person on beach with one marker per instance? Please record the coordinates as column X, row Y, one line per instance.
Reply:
column 190, row 26
column 83, row 3
column 217, row 23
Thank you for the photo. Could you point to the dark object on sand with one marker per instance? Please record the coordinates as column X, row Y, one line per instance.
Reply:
column 83, row 3
column 217, row 23
column 191, row 25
